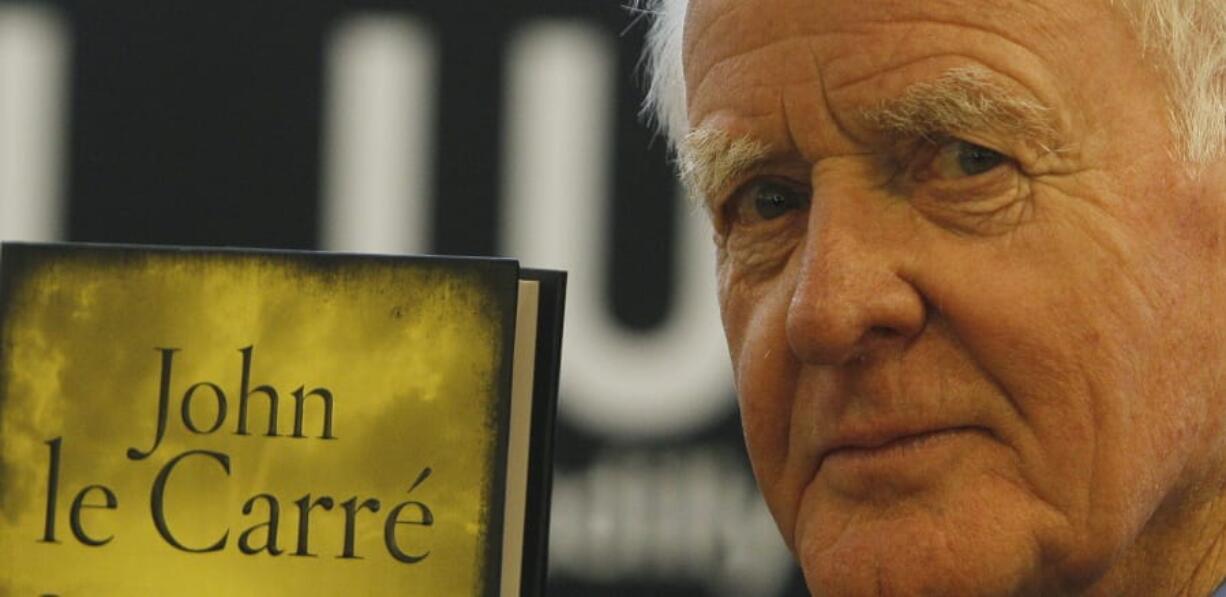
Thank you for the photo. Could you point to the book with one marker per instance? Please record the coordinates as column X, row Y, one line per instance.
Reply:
column 179, row 421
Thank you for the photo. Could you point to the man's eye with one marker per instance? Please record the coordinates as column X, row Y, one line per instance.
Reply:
column 956, row 158
column 768, row 200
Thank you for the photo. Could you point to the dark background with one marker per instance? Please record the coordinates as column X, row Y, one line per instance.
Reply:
column 203, row 123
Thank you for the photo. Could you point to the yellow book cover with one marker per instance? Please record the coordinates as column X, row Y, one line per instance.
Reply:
column 224, row 422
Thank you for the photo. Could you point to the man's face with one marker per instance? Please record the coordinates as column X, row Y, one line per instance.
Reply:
column 971, row 298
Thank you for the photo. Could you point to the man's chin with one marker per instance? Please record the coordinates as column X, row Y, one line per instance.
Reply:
column 918, row 551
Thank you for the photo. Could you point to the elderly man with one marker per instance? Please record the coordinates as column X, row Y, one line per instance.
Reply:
column 972, row 270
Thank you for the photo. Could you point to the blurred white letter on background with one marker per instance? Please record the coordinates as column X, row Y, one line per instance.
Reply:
column 34, row 58
column 670, row 380
column 379, row 111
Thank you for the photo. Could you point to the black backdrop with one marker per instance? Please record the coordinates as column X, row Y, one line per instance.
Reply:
column 200, row 123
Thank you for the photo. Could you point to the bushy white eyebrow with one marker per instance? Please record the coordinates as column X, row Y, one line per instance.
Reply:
column 961, row 100
column 709, row 158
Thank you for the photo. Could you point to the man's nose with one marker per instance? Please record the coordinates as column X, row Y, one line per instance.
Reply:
column 851, row 299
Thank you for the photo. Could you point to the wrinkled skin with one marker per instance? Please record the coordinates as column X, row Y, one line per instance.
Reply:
column 993, row 383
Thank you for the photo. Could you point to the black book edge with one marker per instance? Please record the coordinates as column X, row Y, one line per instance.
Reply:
column 544, row 414
column 258, row 251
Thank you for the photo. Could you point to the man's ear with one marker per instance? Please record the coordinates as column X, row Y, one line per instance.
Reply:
column 1208, row 183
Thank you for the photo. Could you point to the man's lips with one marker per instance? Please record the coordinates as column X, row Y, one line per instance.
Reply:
column 883, row 440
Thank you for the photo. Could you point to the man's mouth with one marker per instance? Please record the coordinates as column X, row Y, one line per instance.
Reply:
column 883, row 445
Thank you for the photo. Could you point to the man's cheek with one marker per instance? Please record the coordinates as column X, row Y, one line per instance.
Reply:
column 753, row 317
column 764, row 388
column 765, row 378
column 766, row 420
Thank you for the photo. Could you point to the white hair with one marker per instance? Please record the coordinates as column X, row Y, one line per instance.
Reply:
column 1188, row 38
column 665, row 101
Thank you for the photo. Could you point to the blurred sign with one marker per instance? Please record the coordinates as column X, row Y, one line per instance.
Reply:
column 510, row 128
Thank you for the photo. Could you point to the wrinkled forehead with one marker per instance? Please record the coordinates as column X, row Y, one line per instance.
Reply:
column 757, row 23
column 758, row 46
